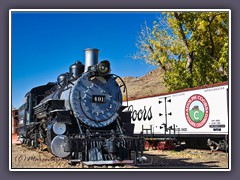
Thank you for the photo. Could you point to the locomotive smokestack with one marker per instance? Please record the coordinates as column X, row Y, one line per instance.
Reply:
column 91, row 57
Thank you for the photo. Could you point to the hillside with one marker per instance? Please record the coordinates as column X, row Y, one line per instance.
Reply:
column 149, row 84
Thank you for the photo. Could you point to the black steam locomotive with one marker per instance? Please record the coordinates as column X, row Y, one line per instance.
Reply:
column 81, row 116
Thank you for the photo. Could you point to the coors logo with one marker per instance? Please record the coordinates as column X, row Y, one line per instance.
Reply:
column 197, row 111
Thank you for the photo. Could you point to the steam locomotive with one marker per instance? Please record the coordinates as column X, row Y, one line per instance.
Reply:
column 81, row 116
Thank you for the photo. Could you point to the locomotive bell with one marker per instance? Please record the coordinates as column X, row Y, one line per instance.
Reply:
column 91, row 57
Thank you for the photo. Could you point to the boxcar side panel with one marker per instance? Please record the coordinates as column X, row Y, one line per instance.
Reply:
column 198, row 111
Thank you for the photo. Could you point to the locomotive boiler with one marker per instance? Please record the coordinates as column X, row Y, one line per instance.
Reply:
column 81, row 116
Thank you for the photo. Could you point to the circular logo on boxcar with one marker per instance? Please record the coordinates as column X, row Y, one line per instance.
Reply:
column 197, row 111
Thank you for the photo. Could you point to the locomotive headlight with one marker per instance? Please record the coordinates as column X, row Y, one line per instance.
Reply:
column 103, row 67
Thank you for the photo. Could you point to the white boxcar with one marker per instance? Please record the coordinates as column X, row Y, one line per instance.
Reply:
column 196, row 111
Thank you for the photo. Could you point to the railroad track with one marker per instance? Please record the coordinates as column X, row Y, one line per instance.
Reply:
column 189, row 158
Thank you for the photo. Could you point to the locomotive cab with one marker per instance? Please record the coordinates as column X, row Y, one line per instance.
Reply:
column 27, row 119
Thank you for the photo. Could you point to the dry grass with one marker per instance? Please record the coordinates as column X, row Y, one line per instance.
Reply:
column 23, row 157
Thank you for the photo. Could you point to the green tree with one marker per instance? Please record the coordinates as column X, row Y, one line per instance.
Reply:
column 190, row 47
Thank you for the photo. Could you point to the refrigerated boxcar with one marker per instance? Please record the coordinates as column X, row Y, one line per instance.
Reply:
column 195, row 116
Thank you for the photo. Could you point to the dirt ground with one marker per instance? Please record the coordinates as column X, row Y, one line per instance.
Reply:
column 23, row 157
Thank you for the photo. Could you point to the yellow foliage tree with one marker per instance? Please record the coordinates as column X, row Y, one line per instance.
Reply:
column 191, row 47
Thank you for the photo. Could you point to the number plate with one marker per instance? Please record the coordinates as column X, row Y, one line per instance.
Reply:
column 98, row 99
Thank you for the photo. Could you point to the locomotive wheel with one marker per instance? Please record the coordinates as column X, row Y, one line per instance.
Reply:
column 146, row 145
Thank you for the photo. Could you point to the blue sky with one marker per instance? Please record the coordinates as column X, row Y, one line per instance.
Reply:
column 45, row 44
